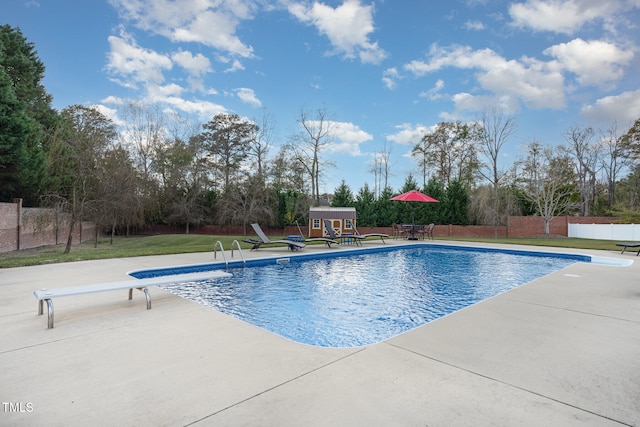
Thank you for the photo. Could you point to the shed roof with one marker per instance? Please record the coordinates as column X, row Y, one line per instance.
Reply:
column 332, row 213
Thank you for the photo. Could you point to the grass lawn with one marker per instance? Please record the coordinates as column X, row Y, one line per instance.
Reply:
column 180, row 243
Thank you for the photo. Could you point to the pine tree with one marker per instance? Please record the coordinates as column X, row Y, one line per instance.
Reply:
column 15, row 127
column 27, row 118
column 343, row 196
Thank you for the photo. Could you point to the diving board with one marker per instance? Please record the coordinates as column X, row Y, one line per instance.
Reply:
column 141, row 284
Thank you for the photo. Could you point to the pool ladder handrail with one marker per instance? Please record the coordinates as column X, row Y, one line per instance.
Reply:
column 226, row 262
column 244, row 261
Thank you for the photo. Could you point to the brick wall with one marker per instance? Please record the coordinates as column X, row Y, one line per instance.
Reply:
column 25, row 228
column 518, row 226
column 529, row 226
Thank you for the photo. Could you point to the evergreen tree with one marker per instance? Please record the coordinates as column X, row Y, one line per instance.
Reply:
column 409, row 184
column 406, row 211
column 365, row 206
column 15, row 127
column 343, row 196
column 457, row 203
column 386, row 208
column 433, row 212
column 31, row 120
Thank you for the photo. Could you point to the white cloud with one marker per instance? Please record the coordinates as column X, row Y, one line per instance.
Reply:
column 248, row 96
column 621, row 108
column 408, row 134
column 109, row 113
column 236, row 65
column 204, row 109
column 113, row 100
column 455, row 56
column 212, row 23
column 535, row 83
column 194, row 65
column 129, row 60
column 135, row 66
column 595, row 62
column 160, row 92
column 478, row 103
column 348, row 27
column 474, row 25
column 347, row 137
column 390, row 77
column 562, row 16
column 434, row 94
column 214, row 29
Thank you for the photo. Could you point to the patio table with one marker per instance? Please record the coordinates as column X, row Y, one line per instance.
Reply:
column 411, row 229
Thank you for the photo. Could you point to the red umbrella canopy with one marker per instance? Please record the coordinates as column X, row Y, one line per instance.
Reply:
column 414, row 196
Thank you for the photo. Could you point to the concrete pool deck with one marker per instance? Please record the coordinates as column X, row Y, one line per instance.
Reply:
column 563, row 350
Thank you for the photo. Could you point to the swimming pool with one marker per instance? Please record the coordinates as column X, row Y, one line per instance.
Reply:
column 360, row 298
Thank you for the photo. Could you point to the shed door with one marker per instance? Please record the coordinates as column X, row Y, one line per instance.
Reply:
column 336, row 224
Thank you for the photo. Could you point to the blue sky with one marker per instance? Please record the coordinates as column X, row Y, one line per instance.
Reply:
column 385, row 71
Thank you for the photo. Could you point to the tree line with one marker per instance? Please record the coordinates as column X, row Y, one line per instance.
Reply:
column 157, row 167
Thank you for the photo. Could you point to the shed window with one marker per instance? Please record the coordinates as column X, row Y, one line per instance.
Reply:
column 316, row 223
column 348, row 225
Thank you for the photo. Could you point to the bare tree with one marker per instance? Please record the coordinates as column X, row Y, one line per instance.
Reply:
column 450, row 151
column 260, row 144
column 143, row 131
column 613, row 160
column 246, row 202
column 118, row 183
column 494, row 130
column 317, row 134
column 381, row 168
column 547, row 179
column 586, row 158
column 80, row 143
column 422, row 152
column 491, row 132
column 286, row 175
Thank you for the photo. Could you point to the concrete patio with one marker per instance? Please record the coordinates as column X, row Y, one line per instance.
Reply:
column 563, row 350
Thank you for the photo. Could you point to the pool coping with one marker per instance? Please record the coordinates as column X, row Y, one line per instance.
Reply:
column 217, row 265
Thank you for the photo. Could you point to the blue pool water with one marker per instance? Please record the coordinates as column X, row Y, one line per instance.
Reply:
column 364, row 298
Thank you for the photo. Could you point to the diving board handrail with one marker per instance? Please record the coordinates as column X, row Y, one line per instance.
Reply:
column 215, row 245
column 244, row 261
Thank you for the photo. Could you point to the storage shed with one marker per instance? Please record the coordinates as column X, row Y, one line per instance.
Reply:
column 342, row 220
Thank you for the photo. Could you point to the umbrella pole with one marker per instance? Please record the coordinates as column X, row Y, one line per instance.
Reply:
column 413, row 224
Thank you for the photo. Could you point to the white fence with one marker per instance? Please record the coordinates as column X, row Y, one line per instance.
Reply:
column 618, row 232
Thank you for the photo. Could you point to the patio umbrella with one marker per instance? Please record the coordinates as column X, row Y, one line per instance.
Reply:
column 414, row 196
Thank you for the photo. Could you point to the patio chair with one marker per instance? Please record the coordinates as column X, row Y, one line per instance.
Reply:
column 626, row 245
column 398, row 230
column 343, row 237
column 264, row 240
column 429, row 231
column 382, row 236
column 325, row 240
